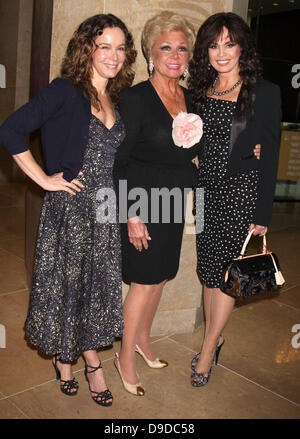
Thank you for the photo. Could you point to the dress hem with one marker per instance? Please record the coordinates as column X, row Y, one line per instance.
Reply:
column 69, row 359
column 208, row 286
column 165, row 278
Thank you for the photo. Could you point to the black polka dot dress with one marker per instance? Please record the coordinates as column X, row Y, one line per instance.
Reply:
column 229, row 202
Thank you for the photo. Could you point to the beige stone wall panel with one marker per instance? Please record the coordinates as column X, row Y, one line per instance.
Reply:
column 67, row 16
column 137, row 12
column 177, row 321
column 183, row 291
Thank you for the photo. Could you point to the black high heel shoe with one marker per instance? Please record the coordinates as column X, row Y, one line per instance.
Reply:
column 67, row 387
column 200, row 379
column 218, row 350
column 101, row 398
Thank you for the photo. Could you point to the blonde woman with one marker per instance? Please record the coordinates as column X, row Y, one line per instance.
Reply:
column 148, row 158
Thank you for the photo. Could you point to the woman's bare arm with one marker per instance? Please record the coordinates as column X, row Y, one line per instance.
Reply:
column 55, row 182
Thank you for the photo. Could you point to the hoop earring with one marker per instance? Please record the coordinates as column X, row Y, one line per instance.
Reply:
column 150, row 66
column 185, row 73
column 209, row 66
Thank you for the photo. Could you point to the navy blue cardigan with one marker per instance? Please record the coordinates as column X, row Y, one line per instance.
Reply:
column 63, row 114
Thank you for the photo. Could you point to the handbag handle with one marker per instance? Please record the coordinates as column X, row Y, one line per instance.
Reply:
column 264, row 250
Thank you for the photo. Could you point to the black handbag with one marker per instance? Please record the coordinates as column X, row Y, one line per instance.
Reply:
column 248, row 276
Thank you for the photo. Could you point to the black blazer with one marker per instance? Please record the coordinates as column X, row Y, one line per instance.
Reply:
column 263, row 128
column 63, row 114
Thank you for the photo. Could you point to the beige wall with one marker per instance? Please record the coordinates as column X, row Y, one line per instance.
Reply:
column 68, row 14
column 240, row 7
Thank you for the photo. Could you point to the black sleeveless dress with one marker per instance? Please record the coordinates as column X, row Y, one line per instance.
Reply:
column 76, row 299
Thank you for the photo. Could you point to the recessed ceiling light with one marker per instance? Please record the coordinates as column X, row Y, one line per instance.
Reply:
column 275, row 4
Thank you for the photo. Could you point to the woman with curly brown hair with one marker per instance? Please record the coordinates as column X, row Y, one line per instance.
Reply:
column 76, row 300
column 239, row 109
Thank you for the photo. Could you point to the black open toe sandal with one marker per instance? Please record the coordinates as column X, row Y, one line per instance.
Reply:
column 67, row 387
column 102, row 398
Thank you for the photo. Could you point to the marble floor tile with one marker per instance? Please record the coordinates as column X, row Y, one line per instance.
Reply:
column 6, row 201
column 8, row 410
column 15, row 192
column 258, row 373
column 15, row 246
column 261, row 338
column 20, row 367
column 34, row 368
column 290, row 296
column 12, row 273
column 224, row 394
column 12, row 195
column 48, row 402
column 169, row 395
column 12, row 224
column 284, row 220
column 286, row 247
column 259, row 346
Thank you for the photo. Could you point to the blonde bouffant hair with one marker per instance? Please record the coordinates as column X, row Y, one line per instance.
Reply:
column 163, row 22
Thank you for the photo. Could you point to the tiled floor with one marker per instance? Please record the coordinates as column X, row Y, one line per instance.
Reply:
column 258, row 375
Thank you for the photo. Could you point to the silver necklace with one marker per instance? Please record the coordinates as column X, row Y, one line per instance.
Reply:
column 221, row 93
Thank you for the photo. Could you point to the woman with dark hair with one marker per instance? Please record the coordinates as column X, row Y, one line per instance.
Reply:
column 76, row 300
column 239, row 109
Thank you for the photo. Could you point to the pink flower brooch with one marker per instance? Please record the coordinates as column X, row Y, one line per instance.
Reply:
column 187, row 129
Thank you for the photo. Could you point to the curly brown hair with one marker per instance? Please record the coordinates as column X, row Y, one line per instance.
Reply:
column 202, row 77
column 77, row 63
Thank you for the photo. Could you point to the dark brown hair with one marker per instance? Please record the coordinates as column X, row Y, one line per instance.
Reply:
column 77, row 63
column 202, row 77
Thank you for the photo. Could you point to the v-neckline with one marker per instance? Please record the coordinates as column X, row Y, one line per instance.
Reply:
column 163, row 105
column 102, row 123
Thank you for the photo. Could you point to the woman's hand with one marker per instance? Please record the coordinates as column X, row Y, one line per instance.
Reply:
column 56, row 182
column 259, row 230
column 137, row 233
column 256, row 151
